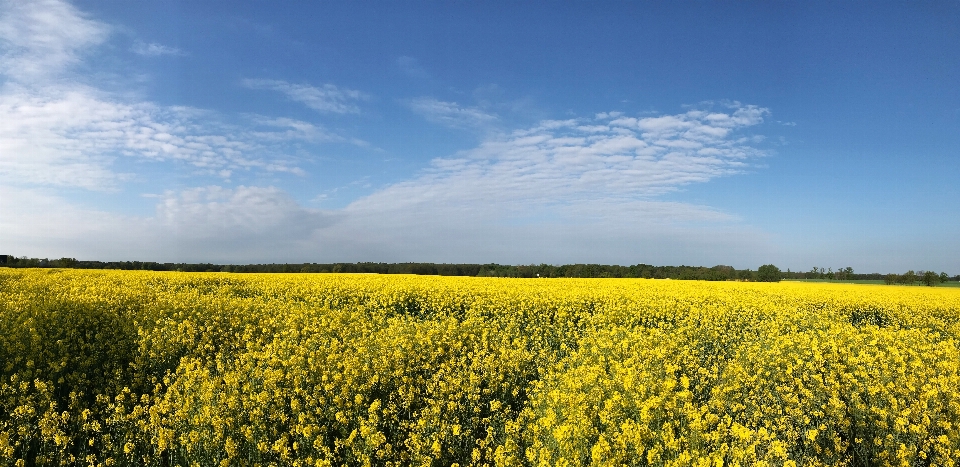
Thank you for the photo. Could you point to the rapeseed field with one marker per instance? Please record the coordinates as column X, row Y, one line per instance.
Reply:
column 141, row 368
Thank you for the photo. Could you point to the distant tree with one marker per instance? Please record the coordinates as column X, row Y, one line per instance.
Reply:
column 909, row 278
column 891, row 279
column 930, row 278
column 944, row 277
column 65, row 262
column 768, row 273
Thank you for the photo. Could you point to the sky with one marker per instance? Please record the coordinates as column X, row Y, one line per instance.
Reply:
column 801, row 134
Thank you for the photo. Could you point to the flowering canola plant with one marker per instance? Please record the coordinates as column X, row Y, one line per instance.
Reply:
column 110, row 368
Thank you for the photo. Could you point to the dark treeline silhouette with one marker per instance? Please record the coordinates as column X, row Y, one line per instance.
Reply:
column 715, row 273
column 24, row 262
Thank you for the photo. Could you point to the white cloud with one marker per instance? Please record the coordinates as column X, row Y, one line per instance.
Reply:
column 56, row 132
column 155, row 50
column 606, row 115
column 286, row 129
column 451, row 114
column 221, row 214
column 606, row 231
column 72, row 137
column 263, row 224
column 564, row 160
column 554, row 193
column 326, row 98
column 564, row 191
column 200, row 224
column 43, row 37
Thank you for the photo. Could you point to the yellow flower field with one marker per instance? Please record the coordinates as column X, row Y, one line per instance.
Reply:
column 210, row 369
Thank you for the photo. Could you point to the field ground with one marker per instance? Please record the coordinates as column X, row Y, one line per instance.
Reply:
column 129, row 368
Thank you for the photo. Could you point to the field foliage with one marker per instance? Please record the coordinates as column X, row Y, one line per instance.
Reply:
column 145, row 368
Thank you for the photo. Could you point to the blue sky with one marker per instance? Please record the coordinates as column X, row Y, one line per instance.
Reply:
column 798, row 134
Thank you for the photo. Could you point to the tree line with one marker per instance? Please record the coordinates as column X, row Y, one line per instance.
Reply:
column 765, row 273
column 442, row 269
column 929, row 278
column 911, row 277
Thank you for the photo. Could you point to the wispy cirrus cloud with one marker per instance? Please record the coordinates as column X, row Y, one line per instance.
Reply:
column 562, row 191
column 565, row 191
column 154, row 49
column 451, row 114
column 73, row 137
column 56, row 131
column 325, row 98
column 566, row 160
column 42, row 38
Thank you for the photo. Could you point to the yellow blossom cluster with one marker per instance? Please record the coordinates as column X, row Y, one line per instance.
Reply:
column 110, row 368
